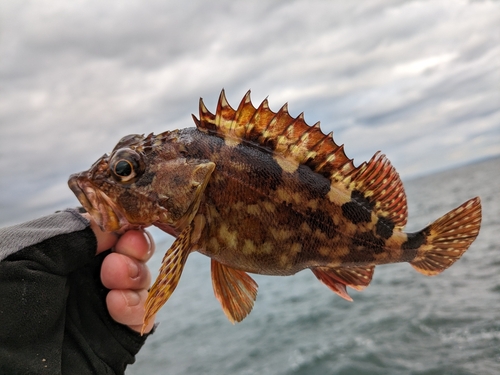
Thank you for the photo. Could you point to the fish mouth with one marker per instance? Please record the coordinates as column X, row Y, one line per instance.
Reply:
column 102, row 209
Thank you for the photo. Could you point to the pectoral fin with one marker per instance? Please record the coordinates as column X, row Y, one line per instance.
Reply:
column 185, row 183
column 235, row 290
column 170, row 273
column 338, row 278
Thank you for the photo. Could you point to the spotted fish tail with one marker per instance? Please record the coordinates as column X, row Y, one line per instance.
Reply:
column 443, row 242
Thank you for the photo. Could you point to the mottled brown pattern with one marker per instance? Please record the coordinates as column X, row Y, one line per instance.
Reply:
column 262, row 192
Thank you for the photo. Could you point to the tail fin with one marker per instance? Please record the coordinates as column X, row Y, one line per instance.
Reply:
column 445, row 240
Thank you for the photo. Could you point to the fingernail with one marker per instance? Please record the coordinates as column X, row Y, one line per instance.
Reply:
column 133, row 298
column 133, row 269
column 151, row 243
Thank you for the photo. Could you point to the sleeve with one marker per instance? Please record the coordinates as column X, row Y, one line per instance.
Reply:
column 53, row 313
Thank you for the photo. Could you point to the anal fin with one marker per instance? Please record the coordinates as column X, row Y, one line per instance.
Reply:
column 338, row 278
column 235, row 290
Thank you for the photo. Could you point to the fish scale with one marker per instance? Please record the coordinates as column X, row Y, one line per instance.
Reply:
column 262, row 192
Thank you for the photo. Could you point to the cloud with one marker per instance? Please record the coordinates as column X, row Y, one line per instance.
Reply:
column 417, row 79
column 417, row 67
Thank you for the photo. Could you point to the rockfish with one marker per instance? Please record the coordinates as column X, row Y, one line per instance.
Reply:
column 262, row 192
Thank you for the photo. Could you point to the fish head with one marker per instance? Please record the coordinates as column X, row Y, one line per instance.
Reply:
column 144, row 181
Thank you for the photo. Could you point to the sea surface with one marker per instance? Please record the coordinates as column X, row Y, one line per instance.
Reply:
column 403, row 323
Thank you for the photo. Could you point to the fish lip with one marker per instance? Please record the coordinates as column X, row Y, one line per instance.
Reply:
column 102, row 209
column 75, row 186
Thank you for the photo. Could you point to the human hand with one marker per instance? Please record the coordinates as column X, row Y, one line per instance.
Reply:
column 126, row 274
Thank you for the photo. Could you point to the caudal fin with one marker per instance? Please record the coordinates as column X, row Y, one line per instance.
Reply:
column 445, row 240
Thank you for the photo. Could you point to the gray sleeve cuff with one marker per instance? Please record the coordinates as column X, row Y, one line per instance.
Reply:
column 17, row 237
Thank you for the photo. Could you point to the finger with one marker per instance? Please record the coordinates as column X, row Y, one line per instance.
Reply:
column 119, row 271
column 137, row 244
column 127, row 307
column 105, row 240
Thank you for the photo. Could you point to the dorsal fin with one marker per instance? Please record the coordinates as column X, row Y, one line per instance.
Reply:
column 277, row 132
column 296, row 141
column 380, row 184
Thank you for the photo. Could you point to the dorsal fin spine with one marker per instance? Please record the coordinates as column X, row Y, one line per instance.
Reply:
column 223, row 107
column 207, row 119
column 240, row 111
column 196, row 121
column 303, row 149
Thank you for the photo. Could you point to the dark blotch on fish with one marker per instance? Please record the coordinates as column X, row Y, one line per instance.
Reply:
column 384, row 227
column 415, row 240
column 359, row 209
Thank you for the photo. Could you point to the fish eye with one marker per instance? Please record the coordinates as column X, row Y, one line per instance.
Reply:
column 126, row 165
column 123, row 168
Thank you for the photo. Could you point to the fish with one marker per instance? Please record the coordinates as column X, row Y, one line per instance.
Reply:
column 263, row 192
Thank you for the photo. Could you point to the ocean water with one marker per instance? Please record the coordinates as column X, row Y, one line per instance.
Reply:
column 403, row 323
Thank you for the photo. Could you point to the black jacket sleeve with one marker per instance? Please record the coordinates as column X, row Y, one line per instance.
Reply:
column 53, row 314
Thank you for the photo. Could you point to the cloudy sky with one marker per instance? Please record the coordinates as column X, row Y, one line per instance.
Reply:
column 419, row 80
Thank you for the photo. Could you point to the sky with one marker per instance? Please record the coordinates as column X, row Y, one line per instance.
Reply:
column 419, row 80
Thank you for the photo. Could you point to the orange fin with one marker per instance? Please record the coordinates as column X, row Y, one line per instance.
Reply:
column 278, row 132
column 443, row 242
column 235, row 290
column 337, row 278
column 381, row 186
column 327, row 277
column 170, row 273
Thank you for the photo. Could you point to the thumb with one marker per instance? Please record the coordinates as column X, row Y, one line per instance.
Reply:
column 105, row 240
